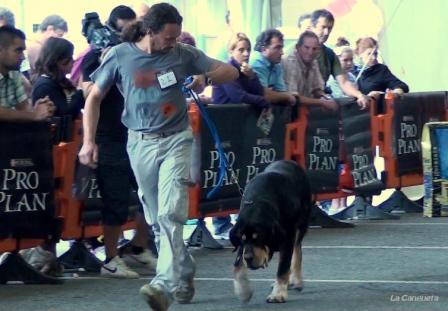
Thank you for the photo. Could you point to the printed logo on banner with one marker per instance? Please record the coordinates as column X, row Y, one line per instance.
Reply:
column 248, row 149
column 408, row 115
column 21, row 162
column 408, row 140
column 20, row 191
column 322, row 150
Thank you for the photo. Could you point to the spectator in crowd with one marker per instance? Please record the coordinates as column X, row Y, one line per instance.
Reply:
column 247, row 88
column 269, row 70
column 302, row 75
column 114, row 173
column 187, row 38
column 375, row 78
column 53, row 64
column 51, row 26
column 14, row 102
column 7, row 17
column 303, row 24
column 159, row 137
column 345, row 55
column 322, row 22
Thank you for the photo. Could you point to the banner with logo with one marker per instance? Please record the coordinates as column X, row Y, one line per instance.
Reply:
column 408, row 115
column 27, row 208
column 358, row 143
column 249, row 144
column 322, row 150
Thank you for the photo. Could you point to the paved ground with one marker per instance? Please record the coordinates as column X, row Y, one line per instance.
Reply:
column 381, row 265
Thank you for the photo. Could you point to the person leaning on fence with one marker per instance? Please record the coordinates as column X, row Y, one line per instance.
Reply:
column 374, row 77
column 14, row 102
column 266, row 65
column 53, row 64
column 114, row 173
column 301, row 73
column 322, row 22
column 159, row 137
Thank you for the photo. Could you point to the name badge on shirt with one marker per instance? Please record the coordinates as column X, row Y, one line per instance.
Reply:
column 166, row 79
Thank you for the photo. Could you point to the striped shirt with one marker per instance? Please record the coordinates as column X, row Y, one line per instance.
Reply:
column 12, row 91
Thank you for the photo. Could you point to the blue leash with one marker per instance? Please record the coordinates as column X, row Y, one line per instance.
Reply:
column 214, row 132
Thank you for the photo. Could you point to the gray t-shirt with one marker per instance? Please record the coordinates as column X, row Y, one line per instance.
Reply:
column 150, row 105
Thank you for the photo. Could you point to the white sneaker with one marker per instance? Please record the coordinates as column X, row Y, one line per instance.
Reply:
column 145, row 258
column 117, row 268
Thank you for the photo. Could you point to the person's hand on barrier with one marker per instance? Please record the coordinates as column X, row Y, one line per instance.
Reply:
column 375, row 94
column 43, row 108
column 88, row 155
column 398, row 93
column 292, row 99
column 329, row 104
column 363, row 101
column 247, row 70
column 198, row 84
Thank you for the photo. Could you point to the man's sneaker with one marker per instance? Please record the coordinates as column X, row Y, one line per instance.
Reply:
column 145, row 258
column 116, row 268
column 155, row 297
column 184, row 292
column 185, row 289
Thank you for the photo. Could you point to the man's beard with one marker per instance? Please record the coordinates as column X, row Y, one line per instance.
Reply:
column 15, row 67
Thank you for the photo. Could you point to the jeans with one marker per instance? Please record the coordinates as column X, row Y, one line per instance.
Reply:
column 162, row 166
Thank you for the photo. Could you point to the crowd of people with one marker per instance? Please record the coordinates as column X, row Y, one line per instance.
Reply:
column 135, row 121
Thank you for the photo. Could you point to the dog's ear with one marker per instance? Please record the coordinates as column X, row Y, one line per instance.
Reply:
column 235, row 236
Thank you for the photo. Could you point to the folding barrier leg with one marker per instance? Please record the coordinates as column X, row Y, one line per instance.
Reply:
column 362, row 209
column 321, row 219
column 202, row 237
column 15, row 268
column 78, row 256
column 400, row 202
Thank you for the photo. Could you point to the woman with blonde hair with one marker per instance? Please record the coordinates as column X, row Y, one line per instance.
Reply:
column 247, row 88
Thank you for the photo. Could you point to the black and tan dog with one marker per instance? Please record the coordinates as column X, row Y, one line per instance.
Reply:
column 274, row 216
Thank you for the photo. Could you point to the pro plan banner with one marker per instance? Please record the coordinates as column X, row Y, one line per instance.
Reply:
column 360, row 155
column 27, row 208
column 408, row 112
column 322, row 150
column 248, row 147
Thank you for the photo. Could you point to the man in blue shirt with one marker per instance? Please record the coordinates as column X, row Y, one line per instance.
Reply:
column 268, row 69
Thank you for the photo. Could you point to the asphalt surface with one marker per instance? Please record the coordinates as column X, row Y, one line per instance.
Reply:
column 378, row 265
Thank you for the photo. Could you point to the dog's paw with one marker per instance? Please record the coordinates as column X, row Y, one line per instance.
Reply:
column 279, row 293
column 276, row 298
column 243, row 290
column 295, row 283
